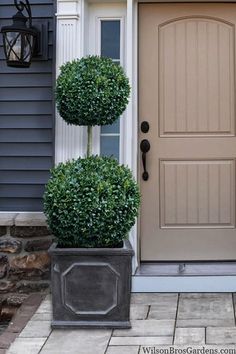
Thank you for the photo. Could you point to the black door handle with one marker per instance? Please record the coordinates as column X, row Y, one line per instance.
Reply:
column 145, row 147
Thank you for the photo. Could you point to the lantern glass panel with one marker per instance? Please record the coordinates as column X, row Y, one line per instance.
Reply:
column 28, row 47
column 19, row 46
column 13, row 45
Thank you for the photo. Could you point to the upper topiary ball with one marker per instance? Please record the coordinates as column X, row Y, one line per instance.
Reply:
column 91, row 202
column 92, row 91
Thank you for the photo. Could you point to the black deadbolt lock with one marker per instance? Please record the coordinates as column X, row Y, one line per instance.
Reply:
column 144, row 127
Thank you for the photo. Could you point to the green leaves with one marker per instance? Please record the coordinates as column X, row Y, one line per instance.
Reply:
column 92, row 91
column 91, row 202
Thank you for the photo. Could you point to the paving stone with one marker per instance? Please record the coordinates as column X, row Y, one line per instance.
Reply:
column 77, row 341
column 204, row 323
column 27, row 310
column 18, row 323
column 141, row 340
column 234, row 300
column 3, row 326
column 221, row 335
column 138, row 312
column 163, row 311
column 35, row 329
column 34, row 299
column 42, row 317
column 6, row 339
column 147, row 328
column 26, row 346
column 123, row 350
column 191, row 336
column 205, row 309
column 45, row 307
column 153, row 298
column 163, row 306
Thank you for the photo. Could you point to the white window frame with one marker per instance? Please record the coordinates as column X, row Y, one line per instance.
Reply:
column 97, row 14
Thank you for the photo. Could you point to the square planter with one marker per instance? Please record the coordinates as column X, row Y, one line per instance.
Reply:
column 91, row 286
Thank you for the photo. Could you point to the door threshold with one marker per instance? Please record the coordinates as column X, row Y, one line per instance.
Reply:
column 185, row 269
column 191, row 277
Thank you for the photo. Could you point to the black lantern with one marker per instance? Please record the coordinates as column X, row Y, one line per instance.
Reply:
column 19, row 39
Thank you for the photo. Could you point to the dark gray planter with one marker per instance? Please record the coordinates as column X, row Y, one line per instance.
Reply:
column 91, row 286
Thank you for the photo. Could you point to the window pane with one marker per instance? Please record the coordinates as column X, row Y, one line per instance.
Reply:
column 110, row 39
column 111, row 128
column 110, row 146
column 110, row 47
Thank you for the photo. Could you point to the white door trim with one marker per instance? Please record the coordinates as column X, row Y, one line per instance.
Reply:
column 196, row 284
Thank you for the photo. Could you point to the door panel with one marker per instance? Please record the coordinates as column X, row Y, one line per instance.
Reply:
column 187, row 93
column 197, row 194
column 196, row 70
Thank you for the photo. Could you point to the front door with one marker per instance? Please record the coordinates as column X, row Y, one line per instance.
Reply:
column 187, row 95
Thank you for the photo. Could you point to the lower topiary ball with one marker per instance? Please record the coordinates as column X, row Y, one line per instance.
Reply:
column 91, row 202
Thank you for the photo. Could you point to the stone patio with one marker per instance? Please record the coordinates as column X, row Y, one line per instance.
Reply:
column 158, row 320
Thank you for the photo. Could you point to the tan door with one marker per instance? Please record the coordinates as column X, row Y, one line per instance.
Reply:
column 187, row 94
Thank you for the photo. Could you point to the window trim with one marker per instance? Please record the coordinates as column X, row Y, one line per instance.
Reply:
column 97, row 129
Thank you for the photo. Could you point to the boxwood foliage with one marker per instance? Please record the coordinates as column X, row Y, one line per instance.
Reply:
column 91, row 91
column 91, row 202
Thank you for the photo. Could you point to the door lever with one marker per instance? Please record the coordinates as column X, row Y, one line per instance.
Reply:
column 145, row 147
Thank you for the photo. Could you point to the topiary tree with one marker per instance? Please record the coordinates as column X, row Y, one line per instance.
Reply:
column 91, row 91
column 91, row 202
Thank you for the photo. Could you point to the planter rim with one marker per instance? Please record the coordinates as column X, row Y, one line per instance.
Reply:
column 125, row 250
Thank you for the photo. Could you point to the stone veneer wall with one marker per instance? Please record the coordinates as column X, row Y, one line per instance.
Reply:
column 24, row 260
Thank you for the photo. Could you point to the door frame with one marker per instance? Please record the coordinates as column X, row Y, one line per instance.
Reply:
column 135, row 34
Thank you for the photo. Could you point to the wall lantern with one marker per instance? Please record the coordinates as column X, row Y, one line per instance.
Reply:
column 20, row 40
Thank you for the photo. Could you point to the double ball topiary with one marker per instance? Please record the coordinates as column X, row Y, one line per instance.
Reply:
column 91, row 202
column 92, row 91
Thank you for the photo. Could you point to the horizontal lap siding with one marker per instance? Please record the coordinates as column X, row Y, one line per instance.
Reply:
column 26, row 119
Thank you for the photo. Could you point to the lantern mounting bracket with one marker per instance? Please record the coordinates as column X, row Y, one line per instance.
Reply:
column 21, row 6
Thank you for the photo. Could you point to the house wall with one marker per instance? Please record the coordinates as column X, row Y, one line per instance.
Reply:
column 26, row 116
column 24, row 260
column 26, row 145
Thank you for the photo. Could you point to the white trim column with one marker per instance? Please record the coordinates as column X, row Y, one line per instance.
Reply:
column 69, row 45
column 130, row 121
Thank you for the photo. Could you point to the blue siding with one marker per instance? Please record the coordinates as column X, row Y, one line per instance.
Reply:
column 26, row 118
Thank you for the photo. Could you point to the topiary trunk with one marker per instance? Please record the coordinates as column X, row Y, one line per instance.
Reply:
column 89, row 141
